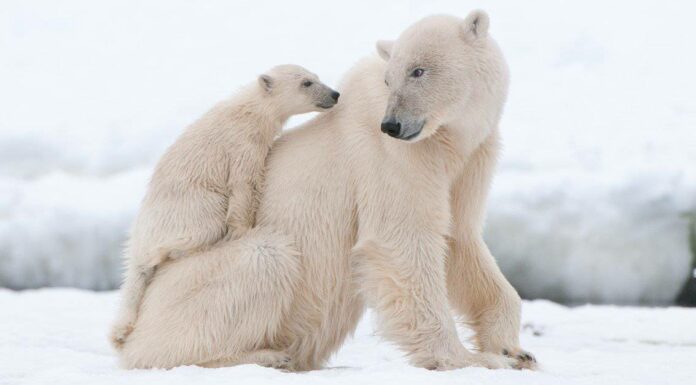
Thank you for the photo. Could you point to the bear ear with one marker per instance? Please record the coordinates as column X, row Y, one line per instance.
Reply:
column 266, row 82
column 384, row 48
column 475, row 25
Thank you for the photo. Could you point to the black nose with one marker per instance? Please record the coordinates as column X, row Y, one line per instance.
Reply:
column 391, row 128
column 335, row 95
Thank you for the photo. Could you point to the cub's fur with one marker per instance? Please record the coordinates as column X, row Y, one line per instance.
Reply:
column 205, row 186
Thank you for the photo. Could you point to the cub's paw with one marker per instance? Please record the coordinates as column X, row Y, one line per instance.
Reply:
column 523, row 359
column 119, row 333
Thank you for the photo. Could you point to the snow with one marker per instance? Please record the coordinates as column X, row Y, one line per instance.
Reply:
column 59, row 336
column 596, row 185
column 65, row 229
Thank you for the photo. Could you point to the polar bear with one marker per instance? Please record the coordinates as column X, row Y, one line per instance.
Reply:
column 205, row 186
column 379, row 202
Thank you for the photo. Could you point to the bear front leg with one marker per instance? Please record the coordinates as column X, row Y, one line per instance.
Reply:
column 407, row 291
column 476, row 287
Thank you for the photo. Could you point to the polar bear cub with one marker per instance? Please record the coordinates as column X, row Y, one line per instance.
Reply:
column 204, row 187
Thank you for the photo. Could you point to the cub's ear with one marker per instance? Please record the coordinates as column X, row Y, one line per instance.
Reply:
column 475, row 25
column 384, row 48
column 266, row 82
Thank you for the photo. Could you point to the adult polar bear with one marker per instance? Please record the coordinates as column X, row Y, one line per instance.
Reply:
column 351, row 216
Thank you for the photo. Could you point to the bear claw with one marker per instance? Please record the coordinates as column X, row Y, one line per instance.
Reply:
column 525, row 360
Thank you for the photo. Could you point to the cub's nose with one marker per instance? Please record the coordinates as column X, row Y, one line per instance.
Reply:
column 391, row 128
column 335, row 95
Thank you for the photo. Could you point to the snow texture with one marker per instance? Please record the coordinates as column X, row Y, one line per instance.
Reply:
column 58, row 336
column 596, row 183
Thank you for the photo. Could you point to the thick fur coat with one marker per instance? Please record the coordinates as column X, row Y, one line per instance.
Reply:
column 351, row 217
column 205, row 187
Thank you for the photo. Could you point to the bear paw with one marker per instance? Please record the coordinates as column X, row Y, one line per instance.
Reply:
column 492, row 361
column 119, row 333
column 482, row 360
column 279, row 360
column 523, row 359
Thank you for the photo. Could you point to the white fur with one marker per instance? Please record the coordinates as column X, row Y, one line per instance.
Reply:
column 351, row 217
column 206, row 185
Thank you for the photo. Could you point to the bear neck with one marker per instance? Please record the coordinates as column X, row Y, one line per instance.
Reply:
column 259, row 114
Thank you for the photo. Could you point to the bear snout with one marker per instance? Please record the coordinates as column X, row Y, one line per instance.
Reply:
column 391, row 128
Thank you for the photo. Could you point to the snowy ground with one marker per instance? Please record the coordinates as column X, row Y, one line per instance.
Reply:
column 57, row 336
column 595, row 187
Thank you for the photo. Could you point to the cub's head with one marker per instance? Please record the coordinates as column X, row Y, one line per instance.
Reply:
column 440, row 70
column 294, row 90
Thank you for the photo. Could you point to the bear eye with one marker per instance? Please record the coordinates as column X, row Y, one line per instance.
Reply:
column 418, row 72
column 306, row 83
column 386, row 82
